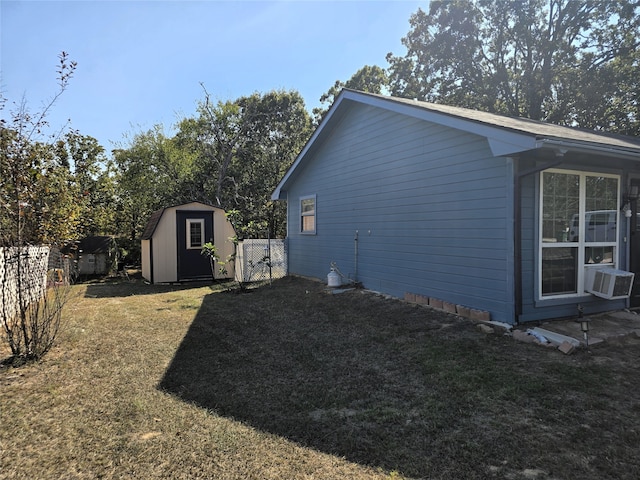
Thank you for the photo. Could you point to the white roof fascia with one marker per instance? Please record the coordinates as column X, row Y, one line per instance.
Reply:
column 511, row 143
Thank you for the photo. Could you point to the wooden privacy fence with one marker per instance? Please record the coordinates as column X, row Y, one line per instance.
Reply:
column 23, row 278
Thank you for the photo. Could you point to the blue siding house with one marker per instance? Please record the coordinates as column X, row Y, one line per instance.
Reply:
column 503, row 215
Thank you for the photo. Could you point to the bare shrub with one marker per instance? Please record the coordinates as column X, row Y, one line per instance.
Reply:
column 31, row 301
column 31, row 295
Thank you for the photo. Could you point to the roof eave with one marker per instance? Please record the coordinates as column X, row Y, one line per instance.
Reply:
column 503, row 140
column 564, row 146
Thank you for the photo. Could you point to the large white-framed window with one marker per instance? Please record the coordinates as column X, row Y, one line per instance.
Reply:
column 195, row 233
column 579, row 223
column 308, row 214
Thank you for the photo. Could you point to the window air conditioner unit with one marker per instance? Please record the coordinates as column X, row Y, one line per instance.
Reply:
column 608, row 283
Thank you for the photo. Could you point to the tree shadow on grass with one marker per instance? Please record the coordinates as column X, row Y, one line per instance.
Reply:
column 337, row 373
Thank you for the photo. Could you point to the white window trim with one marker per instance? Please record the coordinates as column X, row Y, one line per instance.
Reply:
column 314, row 214
column 192, row 221
column 580, row 245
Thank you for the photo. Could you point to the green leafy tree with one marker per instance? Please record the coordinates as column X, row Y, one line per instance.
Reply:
column 232, row 155
column 371, row 79
column 616, row 86
column 104, row 201
column 147, row 179
column 83, row 160
column 226, row 130
column 243, row 148
column 281, row 128
column 540, row 59
column 55, row 210
column 27, row 168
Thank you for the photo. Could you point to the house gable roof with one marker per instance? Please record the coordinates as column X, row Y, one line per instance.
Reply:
column 505, row 135
column 473, row 121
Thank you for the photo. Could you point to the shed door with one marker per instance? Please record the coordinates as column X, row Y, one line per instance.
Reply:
column 194, row 229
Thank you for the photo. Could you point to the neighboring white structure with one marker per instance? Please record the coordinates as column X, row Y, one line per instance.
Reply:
column 96, row 255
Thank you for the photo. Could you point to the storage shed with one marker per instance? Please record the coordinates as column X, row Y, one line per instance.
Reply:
column 96, row 255
column 506, row 216
column 172, row 243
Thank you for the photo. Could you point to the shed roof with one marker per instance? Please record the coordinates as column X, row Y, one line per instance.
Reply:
column 96, row 244
column 155, row 217
column 152, row 223
column 506, row 135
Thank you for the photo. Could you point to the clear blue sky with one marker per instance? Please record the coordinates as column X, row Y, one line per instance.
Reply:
column 140, row 63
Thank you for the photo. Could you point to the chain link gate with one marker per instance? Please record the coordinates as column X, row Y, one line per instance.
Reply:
column 261, row 259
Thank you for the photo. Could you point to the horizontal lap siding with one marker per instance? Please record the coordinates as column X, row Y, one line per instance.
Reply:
column 429, row 205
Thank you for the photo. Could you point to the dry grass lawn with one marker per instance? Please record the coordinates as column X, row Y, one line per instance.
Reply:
column 290, row 382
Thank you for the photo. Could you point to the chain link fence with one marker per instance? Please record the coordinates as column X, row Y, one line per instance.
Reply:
column 261, row 259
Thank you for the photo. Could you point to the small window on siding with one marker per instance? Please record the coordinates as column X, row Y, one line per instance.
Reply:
column 308, row 214
column 195, row 233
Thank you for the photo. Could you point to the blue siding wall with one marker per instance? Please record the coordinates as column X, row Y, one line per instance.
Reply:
column 431, row 206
